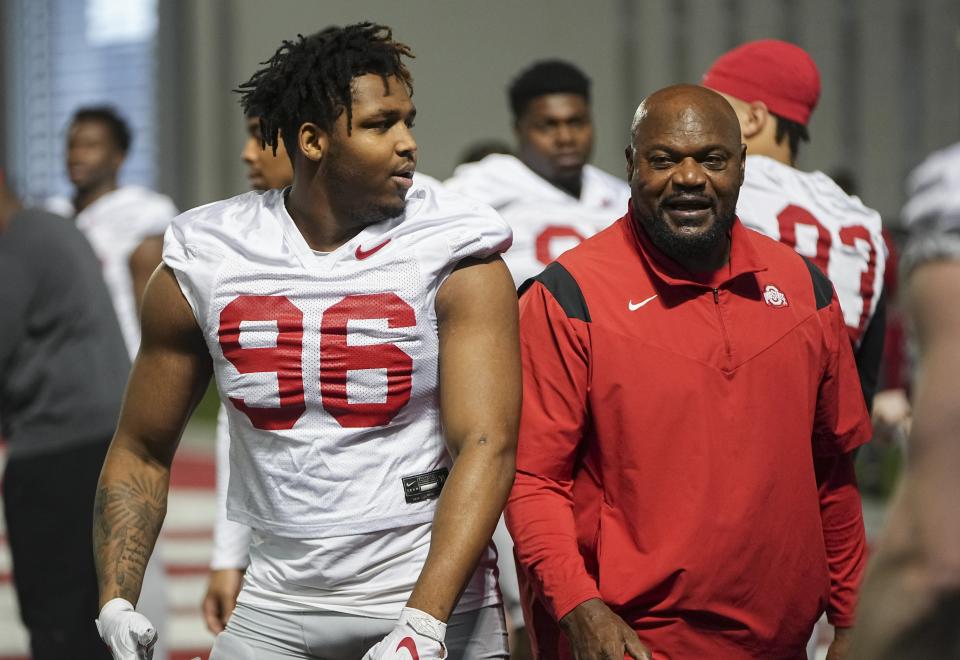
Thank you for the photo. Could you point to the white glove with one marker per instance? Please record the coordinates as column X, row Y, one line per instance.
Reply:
column 417, row 636
column 129, row 634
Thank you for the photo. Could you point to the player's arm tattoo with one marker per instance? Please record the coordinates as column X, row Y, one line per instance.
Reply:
column 128, row 514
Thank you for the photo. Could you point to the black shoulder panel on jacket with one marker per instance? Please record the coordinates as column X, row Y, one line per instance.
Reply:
column 565, row 290
column 822, row 289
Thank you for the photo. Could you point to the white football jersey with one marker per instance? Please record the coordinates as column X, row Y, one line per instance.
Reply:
column 115, row 225
column 546, row 220
column 231, row 541
column 327, row 363
column 811, row 213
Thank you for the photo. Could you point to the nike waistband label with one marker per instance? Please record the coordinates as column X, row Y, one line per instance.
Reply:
column 426, row 486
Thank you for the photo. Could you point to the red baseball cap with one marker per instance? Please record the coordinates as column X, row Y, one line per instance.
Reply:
column 778, row 73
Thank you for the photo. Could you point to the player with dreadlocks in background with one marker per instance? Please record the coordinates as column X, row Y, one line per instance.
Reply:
column 363, row 333
column 774, row 87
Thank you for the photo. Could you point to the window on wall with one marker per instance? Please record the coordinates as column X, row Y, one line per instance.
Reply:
column 64, row 54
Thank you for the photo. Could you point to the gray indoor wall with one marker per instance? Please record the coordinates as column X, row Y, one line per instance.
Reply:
column 6, row 64
column 890, row 68
column 465, row 54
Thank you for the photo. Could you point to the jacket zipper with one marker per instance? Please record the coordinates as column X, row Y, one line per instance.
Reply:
column 723, row 327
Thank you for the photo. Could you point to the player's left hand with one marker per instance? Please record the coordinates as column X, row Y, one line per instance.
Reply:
column 129, row 634
column 221, row 598
column 840, row 644
column 417, row 636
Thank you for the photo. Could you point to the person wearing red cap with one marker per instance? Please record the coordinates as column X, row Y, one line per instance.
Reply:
column 774, row 87
column 684, row 380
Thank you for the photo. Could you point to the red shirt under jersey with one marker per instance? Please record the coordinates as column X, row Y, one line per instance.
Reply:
column 668, row 442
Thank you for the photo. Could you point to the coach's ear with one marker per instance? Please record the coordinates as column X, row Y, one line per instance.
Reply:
column 312, row 141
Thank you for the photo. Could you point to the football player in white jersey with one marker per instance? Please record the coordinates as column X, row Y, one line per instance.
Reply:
column 774, row 87
column 124, row 224
column 363, row 333
column 911, row 596
column 548, row 193
column 267, row 169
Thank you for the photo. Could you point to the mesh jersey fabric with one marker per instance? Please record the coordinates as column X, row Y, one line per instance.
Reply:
column 546, row 221
column 809, row 212
column 327, row 368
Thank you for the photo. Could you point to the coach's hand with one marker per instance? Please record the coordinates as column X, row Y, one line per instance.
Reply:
column 596, row 633
column 129, row 634
column 221, row 599
column 417, row 635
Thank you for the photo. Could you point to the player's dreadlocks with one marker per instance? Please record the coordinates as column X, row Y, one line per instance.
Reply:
column 309, row 80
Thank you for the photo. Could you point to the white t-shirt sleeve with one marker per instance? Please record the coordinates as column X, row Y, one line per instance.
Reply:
column 231, row 540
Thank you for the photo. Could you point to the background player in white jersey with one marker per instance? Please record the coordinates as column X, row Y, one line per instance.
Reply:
column 267, row 169
column 124, row 224
column 550, row 195
column 774, row 87
column 363, row 333
column 552, row 199
column 911, row 596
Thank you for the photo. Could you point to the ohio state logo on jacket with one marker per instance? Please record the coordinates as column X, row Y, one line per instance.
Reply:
column 774, row 296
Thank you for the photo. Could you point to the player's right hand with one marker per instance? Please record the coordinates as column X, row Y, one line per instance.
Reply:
column 595, row 631
column 129, row 634
column 221, row 599
column 417, row 636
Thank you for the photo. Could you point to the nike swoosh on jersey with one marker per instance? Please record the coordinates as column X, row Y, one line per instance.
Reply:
column 363, row 254
column 635, row 306
column 410, row 645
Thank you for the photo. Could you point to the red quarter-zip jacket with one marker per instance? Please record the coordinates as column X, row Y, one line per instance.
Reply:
column 675, row 429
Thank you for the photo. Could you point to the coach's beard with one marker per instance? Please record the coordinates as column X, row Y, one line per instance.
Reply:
column 687, row 248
